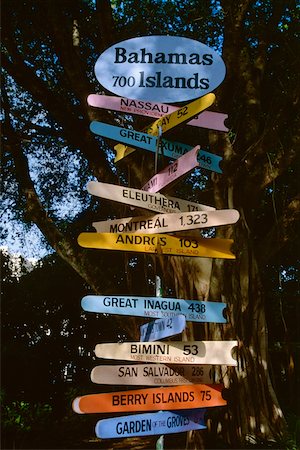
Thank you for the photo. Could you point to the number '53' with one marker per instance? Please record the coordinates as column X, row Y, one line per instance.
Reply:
column 190, row 349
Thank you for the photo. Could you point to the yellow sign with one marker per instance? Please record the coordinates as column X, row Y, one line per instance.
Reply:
column 159, row 243
column 170, row 121
column 181, row 115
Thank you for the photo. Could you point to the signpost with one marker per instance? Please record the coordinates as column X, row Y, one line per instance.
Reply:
column 160, row 68
column 150, row 424
column 151, row 399
column 141, row 199
column 173, row 352
column 162, row 328
column 166, row 223
column 206, row 119
column 154, row 307
column 169, row 69
column 159, row 244
column 152, row 374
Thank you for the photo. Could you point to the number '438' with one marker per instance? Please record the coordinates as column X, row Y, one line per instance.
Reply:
column 197, row 307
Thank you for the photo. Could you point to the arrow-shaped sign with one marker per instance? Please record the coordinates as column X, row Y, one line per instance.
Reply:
column 155, row 307
column 132, row 137
column 179, row 397
column 167, row 223
column 195, row 352
column 163, row 422
column 173, row 172
column 152, row 374
column 159, row 244
column 141, row 199
column 181, row 115
column 206, row 119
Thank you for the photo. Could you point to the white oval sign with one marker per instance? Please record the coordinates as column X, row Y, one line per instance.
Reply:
column 160, row 68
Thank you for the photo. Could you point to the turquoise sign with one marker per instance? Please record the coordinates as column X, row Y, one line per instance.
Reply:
column 131, row 137
column 155, row 307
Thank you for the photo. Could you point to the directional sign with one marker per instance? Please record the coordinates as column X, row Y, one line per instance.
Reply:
column 173, row 172
column 166, row 223
column 181, row 115
column 206, row 119
column 195, row 352
column 152, row 374
column 153, row 399
column 159, row 243
column 151, row 423
column 136, row 138
column 162, row 328
column 155, row 307
column 174, row 150
column 141, row 199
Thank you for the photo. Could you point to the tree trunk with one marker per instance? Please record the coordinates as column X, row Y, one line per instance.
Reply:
column 253, row 414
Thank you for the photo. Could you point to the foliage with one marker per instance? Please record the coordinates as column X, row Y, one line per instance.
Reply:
column 21, row 416
column 48, row 51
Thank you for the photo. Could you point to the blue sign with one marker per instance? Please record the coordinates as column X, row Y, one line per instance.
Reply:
column 155, row 307
column 131, row 137
column 209, row 161
column 162, row 328
column 163, row 422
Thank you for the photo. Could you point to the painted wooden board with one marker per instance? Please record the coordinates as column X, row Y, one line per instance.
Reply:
column 163, row 422
column 170, row 352
column 181, row 115
column 155, row 307
column 162, row 244
column 151, row 399
column 167, row 223
column 206, row 119
column 162, row 328
column 175, row 150
column 173, row 172
column 131, row 137
column 152, row 374
column 141, row 199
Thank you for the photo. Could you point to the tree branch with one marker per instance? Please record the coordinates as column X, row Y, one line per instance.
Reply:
column 107, row 25
column 76, row 131
column 66, row 246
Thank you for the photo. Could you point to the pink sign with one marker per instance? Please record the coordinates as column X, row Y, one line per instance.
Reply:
column 174, row 171
column 207, row 119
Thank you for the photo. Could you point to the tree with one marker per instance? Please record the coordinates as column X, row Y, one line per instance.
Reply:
column 49, row 154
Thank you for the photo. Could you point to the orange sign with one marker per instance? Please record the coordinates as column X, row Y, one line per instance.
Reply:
column 167, row 398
